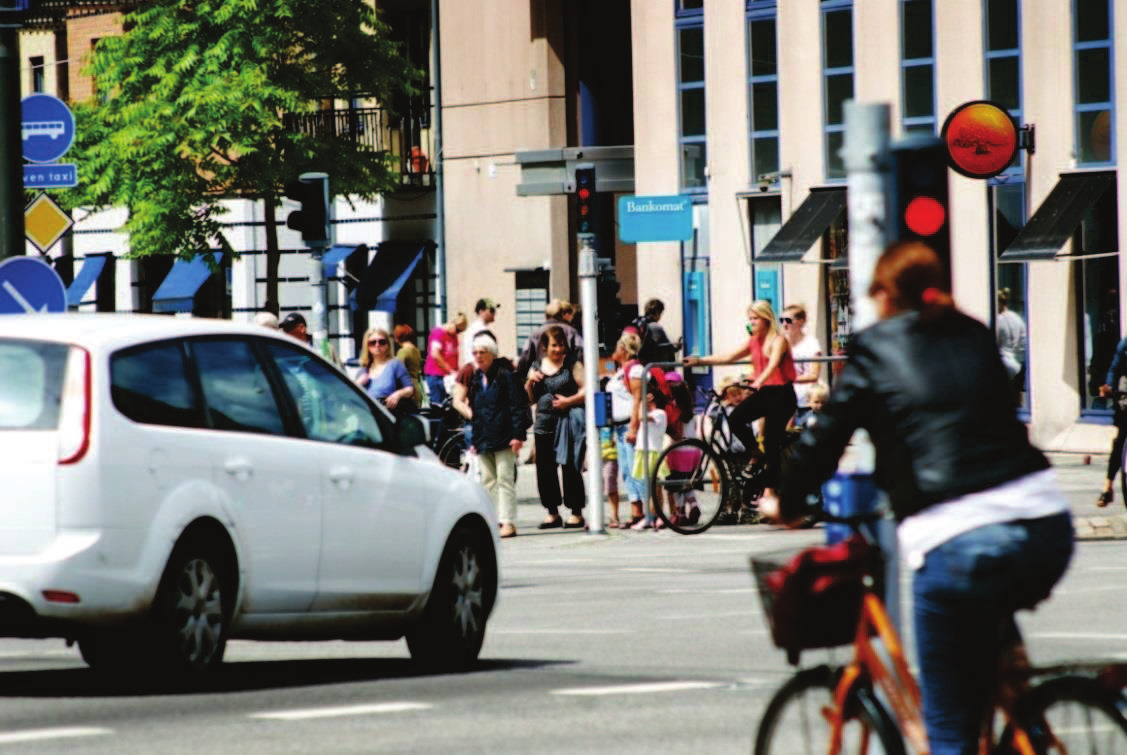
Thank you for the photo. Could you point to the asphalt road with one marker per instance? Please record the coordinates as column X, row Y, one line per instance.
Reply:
column 626, row 643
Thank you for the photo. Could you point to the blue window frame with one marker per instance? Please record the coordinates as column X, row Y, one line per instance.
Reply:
column 917, row 66
column 691, row 94
column 1002, row 38
column 1093, row 54
column 837, row 74
column 763, row 87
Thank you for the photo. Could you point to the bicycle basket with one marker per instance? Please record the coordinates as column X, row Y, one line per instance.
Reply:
column 813, row 600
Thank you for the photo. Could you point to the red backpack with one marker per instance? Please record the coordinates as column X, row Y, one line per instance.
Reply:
column 672, row 407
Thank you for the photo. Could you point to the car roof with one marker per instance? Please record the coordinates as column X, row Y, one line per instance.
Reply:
column 110, row 331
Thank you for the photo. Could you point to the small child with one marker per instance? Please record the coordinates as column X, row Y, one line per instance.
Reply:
column 653, row 432
column 819, row 394
column 610, row 475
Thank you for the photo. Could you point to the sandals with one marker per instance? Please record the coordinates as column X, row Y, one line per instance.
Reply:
column 550, row 524
column 1106, row 498
column 574, row 523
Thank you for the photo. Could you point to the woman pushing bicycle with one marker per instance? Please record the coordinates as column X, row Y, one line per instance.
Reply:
column 773, row 396
column 981, row 520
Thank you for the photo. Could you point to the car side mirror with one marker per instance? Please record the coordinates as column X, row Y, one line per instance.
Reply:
column 411, row 431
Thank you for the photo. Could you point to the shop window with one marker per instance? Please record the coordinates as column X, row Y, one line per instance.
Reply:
column 1007, row 217
column 1096, row 253
column 835, row 247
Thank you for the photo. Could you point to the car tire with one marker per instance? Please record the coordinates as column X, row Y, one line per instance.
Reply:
column 451, row 630
column 191, row 611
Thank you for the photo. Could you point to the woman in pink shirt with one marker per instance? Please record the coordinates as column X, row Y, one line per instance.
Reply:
column 773, row 398
column 442, row 357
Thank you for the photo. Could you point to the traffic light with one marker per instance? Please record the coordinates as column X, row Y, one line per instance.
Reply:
column 920, row 200
column 607, row 305
column 311, row 191
column 585, row 200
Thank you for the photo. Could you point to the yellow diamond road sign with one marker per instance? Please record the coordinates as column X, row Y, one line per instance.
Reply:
column 45, row 222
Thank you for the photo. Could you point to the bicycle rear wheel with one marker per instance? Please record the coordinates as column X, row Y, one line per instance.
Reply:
column 794, row 723
column 453, row 452
column 1072, row 714
column 688, row 486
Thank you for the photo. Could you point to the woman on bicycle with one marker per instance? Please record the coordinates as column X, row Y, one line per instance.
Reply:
column 773, row 396
column 981, row 520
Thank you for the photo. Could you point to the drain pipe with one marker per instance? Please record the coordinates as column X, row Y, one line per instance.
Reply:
column 439, row 197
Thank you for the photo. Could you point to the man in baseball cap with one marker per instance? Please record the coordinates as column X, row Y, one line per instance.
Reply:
column 294, row 324
column 486, row 311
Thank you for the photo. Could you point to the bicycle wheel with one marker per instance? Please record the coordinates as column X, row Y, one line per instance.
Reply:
column 453, row 452
column 794, row 723
column 690, row 481
column 1072, row 714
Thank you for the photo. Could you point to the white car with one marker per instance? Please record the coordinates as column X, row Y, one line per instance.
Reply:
column 170, row 484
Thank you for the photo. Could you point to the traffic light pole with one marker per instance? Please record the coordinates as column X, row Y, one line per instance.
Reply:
column 11, row 145
column 588, row 273
column 867, row 157
column 319, row 289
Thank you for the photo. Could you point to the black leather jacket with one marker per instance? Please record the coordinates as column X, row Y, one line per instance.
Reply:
column 937, row 403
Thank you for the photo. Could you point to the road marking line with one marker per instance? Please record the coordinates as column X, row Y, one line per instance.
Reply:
column 655, row 570
column 637, row 689
column 699, row 616
column 35, row 735
column 301, row 714
column 559, row 631
column 1078, row 635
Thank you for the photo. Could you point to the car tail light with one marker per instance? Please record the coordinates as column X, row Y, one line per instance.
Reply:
column 74, row 410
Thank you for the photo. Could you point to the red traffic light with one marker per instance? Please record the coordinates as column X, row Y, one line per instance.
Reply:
column 584, row 193
column 925, row 215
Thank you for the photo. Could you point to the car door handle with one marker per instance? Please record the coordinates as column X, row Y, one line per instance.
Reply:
column 341, row 477
column 240, row 469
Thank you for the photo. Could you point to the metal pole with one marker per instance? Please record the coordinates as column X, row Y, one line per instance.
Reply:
column 588, row 272
column 320, row 318
column 11, row 145
column 869, row 197
column 436, row 161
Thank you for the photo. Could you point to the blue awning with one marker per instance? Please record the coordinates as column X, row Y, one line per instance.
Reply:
column 89, row 273
column 387, row 274
column 178, row 289
column 337, row 254
column 386, row 300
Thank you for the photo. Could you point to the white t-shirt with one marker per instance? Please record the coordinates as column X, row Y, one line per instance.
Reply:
column 1031, row 497
column 804, row 349
column 621, row 399
column 654, row 431
column 1011, row 341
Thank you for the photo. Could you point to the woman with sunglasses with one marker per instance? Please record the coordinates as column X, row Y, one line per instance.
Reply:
column 773, row 396
column 384, row 377
column 803, row 346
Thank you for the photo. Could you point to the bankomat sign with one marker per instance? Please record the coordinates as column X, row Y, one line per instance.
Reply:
column 655, row 218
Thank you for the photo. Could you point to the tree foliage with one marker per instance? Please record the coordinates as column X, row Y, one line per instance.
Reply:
column 190, row 104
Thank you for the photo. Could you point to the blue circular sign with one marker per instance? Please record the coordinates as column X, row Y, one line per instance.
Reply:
column 29, row 285
column 46, row 128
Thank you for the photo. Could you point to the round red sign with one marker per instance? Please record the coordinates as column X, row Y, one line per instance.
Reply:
column 981, row 139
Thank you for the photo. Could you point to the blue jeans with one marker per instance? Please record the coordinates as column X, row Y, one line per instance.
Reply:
column 964, row 598
column 436, row 389
column 634, row 488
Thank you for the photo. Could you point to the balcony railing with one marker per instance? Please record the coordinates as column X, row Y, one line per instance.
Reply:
column 406, row 134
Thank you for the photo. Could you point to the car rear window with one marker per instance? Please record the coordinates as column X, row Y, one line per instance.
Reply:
column 149, row 384
column 31, row 382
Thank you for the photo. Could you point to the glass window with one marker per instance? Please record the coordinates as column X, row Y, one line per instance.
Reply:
column 917, row 76
column 235, row 389
column 1092, row 56
column 150, row 384
column 1003, row 62
column 837, row 44
column 38, row 73
column 1097, row 279
column 31, row 383
column 690, row 82
column 1007, row 218
column 763, row 88
column 331, row 409
column 835, row 245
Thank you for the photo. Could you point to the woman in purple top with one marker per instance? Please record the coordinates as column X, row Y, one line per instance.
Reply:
column 383, row 377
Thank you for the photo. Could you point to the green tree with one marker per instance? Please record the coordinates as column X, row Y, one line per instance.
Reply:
column 190, row 109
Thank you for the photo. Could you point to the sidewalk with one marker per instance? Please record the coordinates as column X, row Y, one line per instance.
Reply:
column 1080, row 482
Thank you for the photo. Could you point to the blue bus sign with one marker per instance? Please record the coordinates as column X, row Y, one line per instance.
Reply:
column 46, row 128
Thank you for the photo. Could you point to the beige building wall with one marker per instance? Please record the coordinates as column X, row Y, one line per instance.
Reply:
column 502, row 91
column 657, row 170
column 38, row 44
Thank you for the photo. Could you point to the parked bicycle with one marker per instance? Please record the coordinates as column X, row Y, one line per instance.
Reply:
column 830, row 596
column 711, row 479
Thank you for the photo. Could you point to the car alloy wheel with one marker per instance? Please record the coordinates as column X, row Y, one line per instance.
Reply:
column 191, row 621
